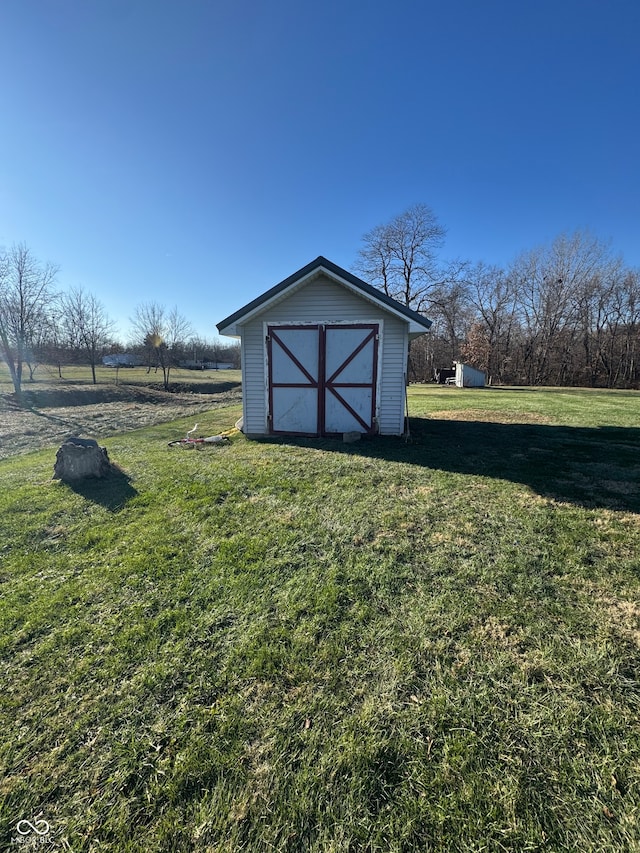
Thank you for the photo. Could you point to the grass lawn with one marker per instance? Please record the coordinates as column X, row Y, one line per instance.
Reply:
column 46, row 377
column 430, row 645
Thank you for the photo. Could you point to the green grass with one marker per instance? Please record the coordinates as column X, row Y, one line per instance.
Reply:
column 46, row 377
column 430, row 645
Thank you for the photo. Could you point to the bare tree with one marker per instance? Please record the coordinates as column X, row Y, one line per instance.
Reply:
column 177, row 332
column 400, row 257
column 86, row 325
column 148, row 331
column 26, row 294
column 449, row 302
column 39, row 349
column 619, row 344
column 550, row 281
column 491, row 294
column 163, row 334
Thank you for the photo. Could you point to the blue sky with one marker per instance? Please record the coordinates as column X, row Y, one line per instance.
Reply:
column 196, row 152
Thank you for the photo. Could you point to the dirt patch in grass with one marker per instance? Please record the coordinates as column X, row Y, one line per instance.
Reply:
column 48, row 416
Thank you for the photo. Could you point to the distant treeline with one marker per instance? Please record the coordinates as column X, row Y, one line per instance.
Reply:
column 563, row 314
column 567, row 313
column 41, row 324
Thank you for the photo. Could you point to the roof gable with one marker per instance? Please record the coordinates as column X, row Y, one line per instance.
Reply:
column 229, row 326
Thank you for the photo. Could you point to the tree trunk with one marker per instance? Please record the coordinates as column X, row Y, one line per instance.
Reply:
column 15, row 379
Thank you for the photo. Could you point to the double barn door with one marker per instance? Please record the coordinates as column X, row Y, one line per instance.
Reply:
column 322, row 378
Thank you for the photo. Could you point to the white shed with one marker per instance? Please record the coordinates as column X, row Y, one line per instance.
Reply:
column 469, row 377
column 324, row 353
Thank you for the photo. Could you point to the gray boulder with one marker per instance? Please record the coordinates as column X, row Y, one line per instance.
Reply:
column 79, row 458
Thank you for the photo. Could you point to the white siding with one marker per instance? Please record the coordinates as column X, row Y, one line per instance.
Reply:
column 254, row 380
column 392, row 388
column 469, row 377
column 324, row 301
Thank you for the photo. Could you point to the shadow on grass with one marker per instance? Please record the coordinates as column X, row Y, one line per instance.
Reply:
column 591, row 467
column 112, row 492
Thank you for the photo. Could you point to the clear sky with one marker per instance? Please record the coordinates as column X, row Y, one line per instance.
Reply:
column 196, row 152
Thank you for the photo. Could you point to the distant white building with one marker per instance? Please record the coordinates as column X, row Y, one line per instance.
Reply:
column 122, row 359
column 469, row 377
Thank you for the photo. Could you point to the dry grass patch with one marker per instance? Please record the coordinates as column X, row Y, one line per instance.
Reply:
column 48, row 416
column 490, row 416
column 622, row 615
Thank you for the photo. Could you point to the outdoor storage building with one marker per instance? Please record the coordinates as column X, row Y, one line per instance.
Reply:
column 469, row 377
column 324, row 353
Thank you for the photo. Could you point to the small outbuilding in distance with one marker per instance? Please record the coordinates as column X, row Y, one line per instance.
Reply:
column 468, row 376
column 324, row 353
